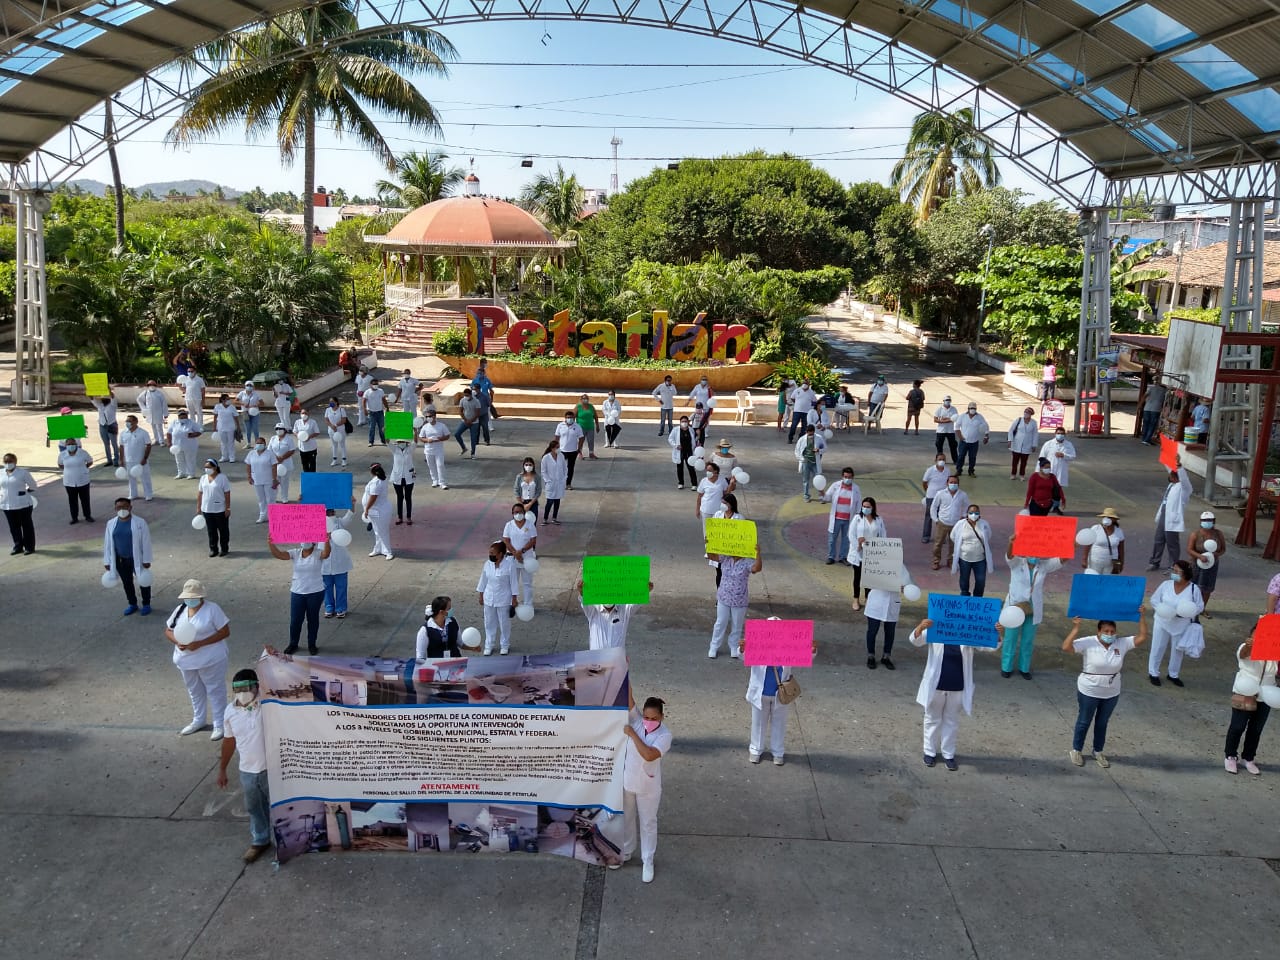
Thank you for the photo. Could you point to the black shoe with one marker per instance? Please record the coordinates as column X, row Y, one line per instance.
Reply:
column 223, row 553
column 950, row 763
column 971, row 473
column 1026, row 674
column 929, row 761
column 74, row 521
column 292, row 648
column 1155, row 681
column 15, row 551
column 871, row 663
column 213, row 553
column 313, row 650
column 1006, row 674
column 829, row 560
column 888, row 664
column 1176, row 682
column 88, row 519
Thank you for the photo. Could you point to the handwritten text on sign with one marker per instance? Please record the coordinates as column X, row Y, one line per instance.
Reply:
column 778, row 643
column 732, row 538
column 1106, row 598
column 1044, row 537
column 966, row 621
column 1266, row 638
column 882, row 564
column 296, row 523
column 615, row 579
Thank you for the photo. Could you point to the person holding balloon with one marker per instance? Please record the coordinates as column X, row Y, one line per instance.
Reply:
column 135, row 448
column 198, row 630
column 521, row 538
column 1253, row 694
column 126, row 546
column 438, row 635
column 612, row 411
column 808, row 451
column 338, row 565
column 1176, row 602
column 1026, row 592
column 1104, row 544
column 711, row 491
column 1098, row 686
column 213, row 508
column 1206, row 547
column 683, row 442
column 283, row 447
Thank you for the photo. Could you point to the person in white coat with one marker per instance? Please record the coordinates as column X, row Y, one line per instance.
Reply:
column 433, row 435
column 155, row 409
column 648, row 741
column 261, row 471
column 1024, row 440
column 944, row 428
column 213, row 502
column 1059, row 451
column 284, row 448
column 808, row 452
column 184, row 444
column 766, row 712
column 407, row 387
column 17, row 486
column 201, row 656
column 403, row 477
column 971, row 552
column 250, row 403
column 606, row 622
column 335, row 568
column 555, row 478
column 335, row 418
column 305, row 433
column 867, row 525
column 135, row 448
column 683, row 441
column 226, row 421
column 933, row 483
column 1170, row 519
column 945, row 689
column 611, row 410
column 498, row 593
column 1168, row 630
column 1027, row 576
column 1105, row 553
column 376, row 511
column 126, row 549
column 883, row 607
column 520, row 536
column 74, row 462
column 844, row 498
column 193, row 395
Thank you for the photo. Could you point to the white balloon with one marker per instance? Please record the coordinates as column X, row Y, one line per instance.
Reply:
column 736, row 472
column 924, row 502
column 33, row 501
column 1247, row 686
column 1165, row 611
column 340, row 538
column 1185, row 609
column 611, row 420
column 135, row 471
column 145, row 577
column 524, row 612
column 699, row 451
column 1205, row 562
column 1012, row 617
column 418, row 422
column 911, row 592
column 1270, row 695
column 699, row 464
column 531, row 565
column 1211, row 546
column 744, row 478
column 184, row 631
column 198, row 522
column 1024, row 512
column 1086, row 537
column 828, row 434
column 471, row 638
column 819, row 482
column 109, row 579
column 282, row 469
column 122, row 473
column 711, row 403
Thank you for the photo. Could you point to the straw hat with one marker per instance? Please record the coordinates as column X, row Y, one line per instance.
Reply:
column 1110, row 512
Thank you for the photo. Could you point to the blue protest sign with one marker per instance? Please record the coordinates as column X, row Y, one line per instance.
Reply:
column 331, row 489
column 967, row 621
column 1096, row 597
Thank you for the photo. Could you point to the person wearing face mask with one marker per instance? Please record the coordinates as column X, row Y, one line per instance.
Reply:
column 482, row 389
column 665, row 394
column 336, row 567
column 711, row 491
column 589, row 420
column 336, row 420
column 74, row 462
column 250, row 402
column 974, row 431
column 376, row 511
column 527, row 488
column 682, row 441
column 704, row 394
column 944, row 431
column 732, row 599
column 305, row 432
column 843, row 497
column 283, row 447
column 408, row 389
column 433, row 435
column 108, row 427
column 971, row 552
column 403, row 477
column 498, row 593
column 948, row 507
column 1167, row 631
column 648, row 741
column 1024, row 440
column 767, row 713
column 200, row 656
column 438, row 635
column 1170, row 521
column 374, row 405
column 306, row 590
column 570, row 435
column 877, row 397
column 1044, row 493
column 260, row 471
column 155, row 409
column 802, row 400
column 226, row 423
column 184, row 444
column 1098, row 686
column 363, row 381
column 282, row 394
column 1206, row 578
column 1105, row 555
column 469, row 409
column 242, row 732
column 932, row 483
column 946, row 688
column 808, row 453
column 612, row 411
column 520, row 536
column 1249, row 711
column 126, row 544
column 193, row 393
column 1026, row 591
column 883, row 608
column 606, row 622
column 1059, row 452
column 16, row 487
column 135, row 447
column 213, row 501
column 867, row 525
column 554, row 470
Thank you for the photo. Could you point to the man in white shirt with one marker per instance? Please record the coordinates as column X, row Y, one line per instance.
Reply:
column 802, row 401
column 364, row 379
column 877, row 396
column 408, row 387
column 949, row 508
column 469, row 408
column 932, row 483
column 606, row 623
column 135, row 450
column 433, row 436
column 108, row 428
column 945, row 418
column 155, row 409
column 973, row 431
column 665, row 394
column 184, row 444
column 194, row 394
column 374, row 406
column 226, row 421
column 1024, row 440
column 242, row 731
column 250, row 402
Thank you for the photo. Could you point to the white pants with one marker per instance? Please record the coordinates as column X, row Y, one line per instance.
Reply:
column 186, row 453
column 1100, row 566
column 381, row 533
column 729, row 621
column 434, row 455
column 338, row 444
column 133, row 481
column 282, row 492
column 227, row 441
column 526, row 580
column 207, row 688
column 1161, row 641
column 497, row 620
column 157, row 430
column 263, row 490
column 941, row 721
column 282, row 411
column 640, row 812
column 772, row 714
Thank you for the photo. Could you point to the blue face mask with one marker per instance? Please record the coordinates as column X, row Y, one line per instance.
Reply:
column 1032, row 561
column 1207, row 524
column 866, row 511
column 193, row 601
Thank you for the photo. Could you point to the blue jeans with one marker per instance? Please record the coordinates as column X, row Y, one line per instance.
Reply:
column 800, row 421
column 335, row 593
column 110, row 446
column 664, row 420
column 474, row 429
column 838, row 540
column 807, row 472
column 258, row 803
column 378, row 419
column 484, row 422
column 977, row 571
column 1150, row 420
column 1095, row 711
column 304, row 605
column 969, row 450
column 251, row 429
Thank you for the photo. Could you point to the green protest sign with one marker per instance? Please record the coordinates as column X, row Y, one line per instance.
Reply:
column 399, row 425
column 69, row 427
column 615, row 579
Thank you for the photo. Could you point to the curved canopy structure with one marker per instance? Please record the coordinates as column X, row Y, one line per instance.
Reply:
column 1082, row 93
column 471, row 226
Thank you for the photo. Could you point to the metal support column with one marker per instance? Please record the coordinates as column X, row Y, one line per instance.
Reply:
column 1235, row 405
column 1095, row 320
column 33, row 383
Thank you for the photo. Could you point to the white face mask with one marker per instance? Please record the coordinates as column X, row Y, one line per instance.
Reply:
column 209, row 471
column 1107, row 521
column 518, row 517
column 122, row 514
column 10, row 467
column 1060, row 438
column 71, row 448
column 245, row 697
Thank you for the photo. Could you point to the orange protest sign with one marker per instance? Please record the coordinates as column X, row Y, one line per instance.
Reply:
column 1168, row 452
column 1266, row 638
column 1044, row 537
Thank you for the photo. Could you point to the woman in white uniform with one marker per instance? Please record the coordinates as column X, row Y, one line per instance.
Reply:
column 282, row 392
column 1167, row 631
column 213, row 502
column 612, row 411
column 198, row 630
column 377, row 511
column 305, row 432
column 403, row 476
column 555, row 479
column 521, row 538
column 1098, row 686
column 336, row 418
column 226, row 421
column 497, row 591
column 433, row 435
column 75, row 462
column 648, row 741
column 16, row 489
column 1105, row 554
column 260, row 470
column 306, row 590
column 283, row 448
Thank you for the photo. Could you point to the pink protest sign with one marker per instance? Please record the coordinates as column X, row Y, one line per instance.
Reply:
column 296, row 523
column 778, row 643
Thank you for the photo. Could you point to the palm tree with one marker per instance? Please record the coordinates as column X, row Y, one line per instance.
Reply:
column 421, row 178
column 311, row 64
column 946, row 156
column 556, row 200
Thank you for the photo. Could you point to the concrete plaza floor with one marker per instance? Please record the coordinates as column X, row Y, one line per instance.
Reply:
column 123, row 847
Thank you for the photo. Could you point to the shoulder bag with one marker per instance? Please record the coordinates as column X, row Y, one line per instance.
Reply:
column 788, row 690
column 1240, row 702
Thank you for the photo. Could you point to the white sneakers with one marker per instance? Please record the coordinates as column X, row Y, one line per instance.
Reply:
column 647, row 874
column 190, row 728
column 216, row 735
column 1076, row 757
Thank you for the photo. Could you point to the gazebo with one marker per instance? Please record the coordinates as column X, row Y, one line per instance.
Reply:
column 467, row 226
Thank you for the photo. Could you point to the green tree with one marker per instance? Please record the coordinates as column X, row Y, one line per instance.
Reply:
column 420, row 178
column 946, row 156
column 312, row 64
column 556, row 199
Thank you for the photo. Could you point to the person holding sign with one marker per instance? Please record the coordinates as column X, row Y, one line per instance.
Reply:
column 606, row 622
column 1177, row 602
column 521, row 538
column 843, row 497
column 306, row 590
column 213, row 502
column 1059, row 452
column 1249, row 707
column 198, row 630
column 766, row 710
column 945, row 688
column 108, row 427
column 1098, row 686
column 971, row 552
column 867, row 525
column 1026, row 591
column 74, row 461
column 1024, row 440
column 16, row 487
column 498, row 592
column 1205, row 575
column 1105, row 552
column 376, row 511
column 648, row 741
column 1169, row 517
column 732, row 598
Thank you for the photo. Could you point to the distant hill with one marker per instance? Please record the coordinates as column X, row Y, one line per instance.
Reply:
column 185, row 187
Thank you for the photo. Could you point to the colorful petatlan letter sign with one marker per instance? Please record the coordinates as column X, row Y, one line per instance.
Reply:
column 331, row 490
column 615, row 579
column 778, row 643
column 731, row 538
column 1105, row 598
column 1266, row 638
column 882, row 564
column 68, row 427
column 1168, row 452
column 96, row 385
column 296, row 523
column 965, row 621
column 399, row 425
column 1044, row 537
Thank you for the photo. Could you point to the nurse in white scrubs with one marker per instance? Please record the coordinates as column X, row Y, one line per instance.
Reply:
column 648, row 741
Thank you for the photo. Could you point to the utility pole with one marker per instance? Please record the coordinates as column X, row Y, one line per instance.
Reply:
column 613, row 179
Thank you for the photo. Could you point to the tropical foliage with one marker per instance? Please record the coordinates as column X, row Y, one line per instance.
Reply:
column 555, row 199
column 420, row 178
column 946, row 157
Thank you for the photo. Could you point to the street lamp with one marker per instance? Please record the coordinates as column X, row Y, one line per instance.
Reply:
column 989, row 233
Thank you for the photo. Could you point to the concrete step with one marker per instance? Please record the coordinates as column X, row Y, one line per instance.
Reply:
column 637, row 408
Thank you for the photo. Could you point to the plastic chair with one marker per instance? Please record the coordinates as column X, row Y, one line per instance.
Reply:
column 746, row 407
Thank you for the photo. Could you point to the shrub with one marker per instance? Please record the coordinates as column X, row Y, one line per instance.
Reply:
column 806, row 366
column 450, row 343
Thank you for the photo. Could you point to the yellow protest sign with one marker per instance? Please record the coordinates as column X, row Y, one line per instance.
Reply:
column 731, row 538
column 96, row 385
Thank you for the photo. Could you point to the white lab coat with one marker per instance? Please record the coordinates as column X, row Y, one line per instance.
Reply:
column 141, row 542
column 867, row 529
column 673, row 440
column 829, row 496
column 16, row 489
column 555, row 474
column 1059, row 466
column 883, row 605
column 607, row 629
column 498, row 583
column 402, row 470
column 933, row 670
column 819, row 446
column 1175, row 503
column 1023, row 588
column 1024, row 436
column 755, row 684
column 154, row 406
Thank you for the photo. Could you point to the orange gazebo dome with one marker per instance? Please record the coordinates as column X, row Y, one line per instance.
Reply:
column 470, row 222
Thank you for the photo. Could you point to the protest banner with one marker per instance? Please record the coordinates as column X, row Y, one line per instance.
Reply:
column 1106, row 598
column 96, row 385
column 882, row 564
column 1052, row 414
column 781, row 643
column 615, row 579
column 296, row 523
column 1044, row 537
column 731, row 538
column 1266, row 638
column 68, row 427
column 1168, row 453
column 399, row 425
column 332, row 490
column 965, row 621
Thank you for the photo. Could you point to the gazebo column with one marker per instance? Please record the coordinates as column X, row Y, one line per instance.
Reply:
column 493, row 278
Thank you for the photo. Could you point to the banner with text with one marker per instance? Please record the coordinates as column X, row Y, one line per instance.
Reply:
column 882, row 564
column 967, row 621
column 1044, row 537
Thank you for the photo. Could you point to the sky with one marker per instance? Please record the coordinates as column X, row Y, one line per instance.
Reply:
column 558, row 92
